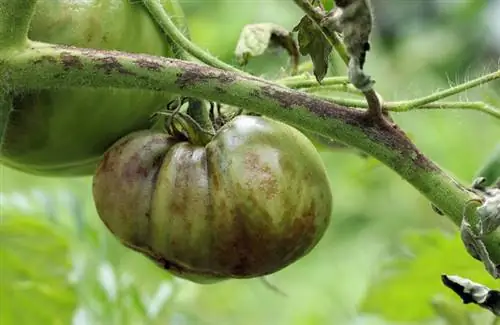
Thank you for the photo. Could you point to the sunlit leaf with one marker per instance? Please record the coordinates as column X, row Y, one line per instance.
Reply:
column 34, row 261
column 256, row 39
column 406, row 290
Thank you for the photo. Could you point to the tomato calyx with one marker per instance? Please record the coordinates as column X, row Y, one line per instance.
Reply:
column 191, row 123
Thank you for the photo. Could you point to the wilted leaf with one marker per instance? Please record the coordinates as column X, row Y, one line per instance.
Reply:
column 412, row 283
column 255, row 39
column 312, row 42
column 34, row 261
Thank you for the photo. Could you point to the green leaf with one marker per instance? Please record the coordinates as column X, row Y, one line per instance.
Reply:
column 327, row 4
column 411, row 283
column 256, row 39
column 312, row 42
column 453, row 312
column 491, row 167
column 34, row 260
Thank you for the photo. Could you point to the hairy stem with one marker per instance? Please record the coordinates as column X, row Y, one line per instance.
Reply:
column 341, row 83
column 310, row 82
column 16, row 17
column 343, row 88
column 407, row 104
column 396, row 106
column 167, row 25
column 476, row 106
column 47, row 66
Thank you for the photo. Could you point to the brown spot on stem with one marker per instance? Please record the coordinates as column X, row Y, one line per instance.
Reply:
column 385, row 133
column 110, row 64
column 148, row 64
column 193, row 76
column 70, row 61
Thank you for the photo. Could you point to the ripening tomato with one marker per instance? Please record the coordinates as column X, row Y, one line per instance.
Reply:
column 251, row 201
column 64, row 132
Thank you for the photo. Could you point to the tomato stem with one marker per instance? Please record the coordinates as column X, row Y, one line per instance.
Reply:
column 167, row 25
column 45, row 66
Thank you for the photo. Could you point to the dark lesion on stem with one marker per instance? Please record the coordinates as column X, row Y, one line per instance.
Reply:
column 191, row 78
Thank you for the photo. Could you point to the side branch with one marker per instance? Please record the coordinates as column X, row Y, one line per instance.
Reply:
column 14, row 25
column 45, row 66
column 374, row 112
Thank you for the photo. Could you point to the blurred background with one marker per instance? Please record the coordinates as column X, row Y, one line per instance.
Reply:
column 381, row 259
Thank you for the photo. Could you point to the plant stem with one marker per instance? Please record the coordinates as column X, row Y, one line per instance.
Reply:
column 309, row 81
column 398, row 107
column 343, row 88
column 45, row 66
column 477, row 106
column 163, row 20
column 14, row 24
column 449, row 92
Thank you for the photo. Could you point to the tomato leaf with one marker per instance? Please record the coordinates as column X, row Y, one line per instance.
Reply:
column 312, row 42
column 451, row 311
column 491, row 168
column 411, row 283
column 34, row 260
column 256, row 39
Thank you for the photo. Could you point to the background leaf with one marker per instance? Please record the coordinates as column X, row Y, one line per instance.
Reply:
column 255, row 39
column 34, row 259
column 417, row 277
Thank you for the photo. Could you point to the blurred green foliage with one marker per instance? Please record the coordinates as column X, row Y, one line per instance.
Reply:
column 379, row 263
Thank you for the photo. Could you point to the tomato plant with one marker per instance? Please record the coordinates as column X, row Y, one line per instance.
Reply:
column 236, row 198
column 65, row 132
column 247, row 203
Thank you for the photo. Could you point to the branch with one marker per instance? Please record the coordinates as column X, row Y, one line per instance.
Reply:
column 396, row 106
column 170, row 29
column 16, row 17
column 308, row 81
column 477, row 106
column 374, row 106
column 45, row 66
column 308, row 84
column 407, row 104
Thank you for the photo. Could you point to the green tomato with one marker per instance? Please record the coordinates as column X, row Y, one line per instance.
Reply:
column 65, row 132
column 253, row 200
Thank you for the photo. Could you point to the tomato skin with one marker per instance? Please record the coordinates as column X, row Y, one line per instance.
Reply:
column 65, row 132
column 252, row 201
